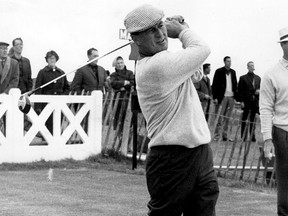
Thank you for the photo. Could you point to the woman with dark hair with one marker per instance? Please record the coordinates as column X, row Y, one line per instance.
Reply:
column 59, row 87
column 50, row 72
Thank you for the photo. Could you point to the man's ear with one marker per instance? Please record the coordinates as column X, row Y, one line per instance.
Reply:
column 135, row 39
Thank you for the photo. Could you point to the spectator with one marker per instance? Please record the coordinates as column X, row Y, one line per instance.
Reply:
column 121, row 81
column 179, row 168
column 9, row 70
column 204, row 90
column 224, row 90
column 9, row 76
column 25, row 80
column 59, row 87
column 248, row 92
column 90, row 77
column 274, row 120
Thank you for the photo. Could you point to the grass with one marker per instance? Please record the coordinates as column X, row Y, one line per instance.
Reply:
column 105, row 185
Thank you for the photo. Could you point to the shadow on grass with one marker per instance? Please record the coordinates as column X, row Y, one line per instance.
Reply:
column 108, row 160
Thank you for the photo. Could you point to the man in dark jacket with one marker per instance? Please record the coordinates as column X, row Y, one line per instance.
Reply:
column 9, row 70
column 248, row 92
column 224, row 91
column 121, row 81
column 25, row 80
column 90, row 77
column 204, row 90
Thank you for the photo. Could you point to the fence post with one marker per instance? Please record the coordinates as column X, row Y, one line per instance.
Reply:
column 14, row 126
column 95, row 121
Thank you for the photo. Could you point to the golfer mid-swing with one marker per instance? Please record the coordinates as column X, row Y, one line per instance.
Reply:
column 179, row 170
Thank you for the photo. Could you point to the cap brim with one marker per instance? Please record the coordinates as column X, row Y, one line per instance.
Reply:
column 284, row 40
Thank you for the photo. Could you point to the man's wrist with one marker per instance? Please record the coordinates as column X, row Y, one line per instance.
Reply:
column 267, row 140
column 182, row 33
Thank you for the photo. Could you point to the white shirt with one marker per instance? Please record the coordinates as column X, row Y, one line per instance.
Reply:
column 228, row 91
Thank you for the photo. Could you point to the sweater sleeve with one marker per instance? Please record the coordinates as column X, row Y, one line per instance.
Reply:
column 175, row 68
column 266, row 102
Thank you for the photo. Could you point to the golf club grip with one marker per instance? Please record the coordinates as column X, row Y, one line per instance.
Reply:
column 65, row 74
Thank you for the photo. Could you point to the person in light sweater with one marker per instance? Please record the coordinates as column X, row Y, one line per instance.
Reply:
column 179, row 167
column 274, row 120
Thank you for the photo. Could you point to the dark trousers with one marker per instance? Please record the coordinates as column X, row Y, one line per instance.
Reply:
column 181, row 180
column 253, row 109
column 121, row 107
column 280, row 141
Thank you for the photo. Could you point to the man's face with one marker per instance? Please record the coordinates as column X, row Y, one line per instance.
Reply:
column 94, row 54
column 18, row 46
column 3, row 51
column 207, row 70
column 152, row 40
column 120, row 64
column 250, row 67
column 284, row 46
column 228, row 62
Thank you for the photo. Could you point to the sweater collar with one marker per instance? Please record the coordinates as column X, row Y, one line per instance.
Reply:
column 284, row 62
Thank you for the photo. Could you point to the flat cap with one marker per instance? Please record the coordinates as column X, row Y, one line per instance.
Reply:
column 4, row 44
column 283, row 34
column 142, row 18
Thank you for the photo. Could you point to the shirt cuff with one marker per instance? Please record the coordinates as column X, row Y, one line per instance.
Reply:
column 267, row 135
column 182, row 33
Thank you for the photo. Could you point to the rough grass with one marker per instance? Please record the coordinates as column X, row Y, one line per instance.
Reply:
column 105, row 185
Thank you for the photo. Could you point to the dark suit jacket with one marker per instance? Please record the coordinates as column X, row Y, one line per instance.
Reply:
column 246, row 89
column 9, row 75
column 25, row 80
column 86, row 79
column 203, row 88
column 219, row 84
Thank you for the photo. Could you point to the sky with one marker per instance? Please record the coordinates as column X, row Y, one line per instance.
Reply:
column 245, row 30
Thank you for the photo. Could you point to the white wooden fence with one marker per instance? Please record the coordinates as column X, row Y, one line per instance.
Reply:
column 15, row 144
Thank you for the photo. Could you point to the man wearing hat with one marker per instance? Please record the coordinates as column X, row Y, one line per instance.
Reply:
column 274, row 120
column 179, row 169
column 9, row 70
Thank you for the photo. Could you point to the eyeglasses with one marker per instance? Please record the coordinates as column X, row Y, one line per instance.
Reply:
column 4, row 48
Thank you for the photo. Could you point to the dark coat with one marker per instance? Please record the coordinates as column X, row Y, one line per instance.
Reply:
column 58, row 87
column 25, row 80
column 86, row 79
column 219, row 84
column 9, row 75
column 246, row 89
column 203, row 88
column 118, row 78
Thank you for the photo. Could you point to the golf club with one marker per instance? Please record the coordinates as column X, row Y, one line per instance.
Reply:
column 24, row 104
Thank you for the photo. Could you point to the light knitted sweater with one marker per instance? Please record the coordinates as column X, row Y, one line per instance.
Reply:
column 167, row 96
column 273, row 100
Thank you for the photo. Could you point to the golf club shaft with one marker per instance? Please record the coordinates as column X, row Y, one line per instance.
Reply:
column 63, row 75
